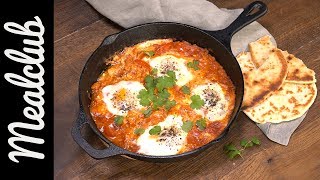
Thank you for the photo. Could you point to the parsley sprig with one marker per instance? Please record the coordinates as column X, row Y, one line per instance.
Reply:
column 194, row 65
column 187, row 126
column 118, row 120
column 156, row 94
column 149, row 53
column 201, row 124
column 185, row 89
column 232, row 151
column 155, row 130
column 139, row 131
column 197, row 102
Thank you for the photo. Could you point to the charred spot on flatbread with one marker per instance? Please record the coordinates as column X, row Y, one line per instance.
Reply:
column 262, row 81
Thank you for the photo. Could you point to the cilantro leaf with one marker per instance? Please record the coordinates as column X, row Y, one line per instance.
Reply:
column 194, row 64
column 142, row 93
column 229, row 147
column 149, row 53
column 147, row 112
column 139, row 131
column 159, row 97
column 158, row 102
column 172, row 75
column 150, row 83
column 144, row 97
column 201, row 123
column 155, row 130
column 164, row 94
column 165, row 82
column 145, row 102
column 243, row 143
column 118, row 120
column 197, row 102
column 187, row 126
column 233, row 154
column 169, row 104
column 255, row 141
column 250, row 144
column 154, row 72
column 232, row 150
column 185, row 89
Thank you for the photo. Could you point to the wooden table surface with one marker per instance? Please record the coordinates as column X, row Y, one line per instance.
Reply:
column 79, row 29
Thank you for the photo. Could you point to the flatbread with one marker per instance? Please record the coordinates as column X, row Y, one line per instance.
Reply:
column 260, row 50
column 298, row 72
column 261, row 82
column 246, row 65
column 278, row 86
column 244, row 60
column 288, row 103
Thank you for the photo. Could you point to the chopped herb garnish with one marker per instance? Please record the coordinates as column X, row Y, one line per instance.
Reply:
column 158, row 102
column 201, row 124
column 232, row 151
column 169, row 104
column 172, row 75
column 244, row 143
column 164, row 94
column 187, row 126
column 156, row 93
column 147, row 112
column 194, row 64
column 149, row 53
column 139, row 131
column 232, row 154
column 154, row 72
column 118, row 120
column 155, row 130
column 255, row 141
column 185, row 89
column 197, row 102
column 144, row 97
column 150, row 82
column 167, row 81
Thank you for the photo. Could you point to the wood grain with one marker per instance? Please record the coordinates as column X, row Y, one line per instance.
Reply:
column 295, row 24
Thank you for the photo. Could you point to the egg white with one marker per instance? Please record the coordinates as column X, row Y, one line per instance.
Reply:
column 121, row 106
column 147, row 44
column 178, row 65
column 215, row 103
column 164, row 143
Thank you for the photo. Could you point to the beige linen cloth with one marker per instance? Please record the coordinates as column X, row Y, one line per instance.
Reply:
column 199, row 13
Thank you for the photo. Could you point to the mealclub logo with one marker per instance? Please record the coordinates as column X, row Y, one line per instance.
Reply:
column 32, row 82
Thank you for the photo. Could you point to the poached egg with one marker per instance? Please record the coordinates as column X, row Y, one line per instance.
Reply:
column 215, row 104
column 170, row 140
column 122, row 97
column 166, row 63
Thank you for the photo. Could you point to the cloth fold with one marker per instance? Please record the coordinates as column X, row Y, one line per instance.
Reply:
column 201, row 14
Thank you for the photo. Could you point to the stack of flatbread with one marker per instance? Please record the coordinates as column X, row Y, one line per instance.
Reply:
column 278, row 86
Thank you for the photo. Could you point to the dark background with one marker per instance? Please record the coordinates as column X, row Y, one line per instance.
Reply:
column 12, row 96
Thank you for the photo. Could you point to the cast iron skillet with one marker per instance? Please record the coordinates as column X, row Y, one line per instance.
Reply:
column 218, row 43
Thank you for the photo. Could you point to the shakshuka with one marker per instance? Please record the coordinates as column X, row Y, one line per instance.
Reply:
column 162, row 97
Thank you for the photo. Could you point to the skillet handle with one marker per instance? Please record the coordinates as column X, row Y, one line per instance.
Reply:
column 246, row 17
column 112, row 150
